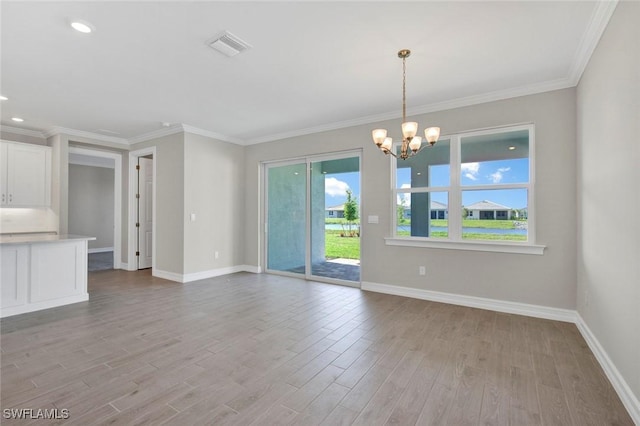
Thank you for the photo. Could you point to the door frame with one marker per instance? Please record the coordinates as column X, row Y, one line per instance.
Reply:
column 307, row 160
column 117, row 198
column 133, row 186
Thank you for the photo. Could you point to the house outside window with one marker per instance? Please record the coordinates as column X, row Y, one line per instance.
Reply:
column 484, row 200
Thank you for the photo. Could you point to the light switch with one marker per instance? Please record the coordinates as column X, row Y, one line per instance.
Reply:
column 372, row 219
column 193, row 217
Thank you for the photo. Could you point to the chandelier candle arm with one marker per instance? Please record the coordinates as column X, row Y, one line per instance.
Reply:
column 411, row 144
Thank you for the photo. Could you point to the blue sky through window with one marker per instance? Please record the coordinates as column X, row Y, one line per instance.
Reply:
column 336, row 185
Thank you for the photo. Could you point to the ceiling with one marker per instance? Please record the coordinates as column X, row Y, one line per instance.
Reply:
column 313, row 65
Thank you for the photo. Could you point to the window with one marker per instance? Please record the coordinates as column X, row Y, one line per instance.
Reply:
column 473, row 187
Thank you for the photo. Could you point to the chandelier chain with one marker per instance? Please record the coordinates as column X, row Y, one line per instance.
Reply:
column 404, row 89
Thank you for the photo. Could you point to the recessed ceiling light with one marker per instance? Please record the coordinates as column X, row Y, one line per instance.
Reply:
column 18, row 119
column 82, row 26
column 511, row 148
column 3, row 98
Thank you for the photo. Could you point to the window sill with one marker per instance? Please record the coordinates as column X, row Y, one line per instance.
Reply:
column 499, row 247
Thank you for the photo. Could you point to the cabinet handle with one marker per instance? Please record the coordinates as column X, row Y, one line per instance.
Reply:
column 3, row 198
column 10, row 197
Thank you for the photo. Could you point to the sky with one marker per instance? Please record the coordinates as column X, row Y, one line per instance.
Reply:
column 336, row 185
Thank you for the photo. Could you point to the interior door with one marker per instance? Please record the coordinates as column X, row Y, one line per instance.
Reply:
column 145, row 212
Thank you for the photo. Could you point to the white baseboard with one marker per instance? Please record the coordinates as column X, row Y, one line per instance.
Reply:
column 195, row 276
column 171, row 276
column 536, row 311
column 630, row 401
column 32, row 307
column 100, row 250
column 251, row 268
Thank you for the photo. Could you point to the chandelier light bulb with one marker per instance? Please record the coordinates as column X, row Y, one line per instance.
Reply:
column 386, row 144
column 432, row 134
column 415, row 143
column 378, row 136
column 409, row 129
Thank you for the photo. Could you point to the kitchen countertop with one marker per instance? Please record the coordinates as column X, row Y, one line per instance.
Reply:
column 41, row 238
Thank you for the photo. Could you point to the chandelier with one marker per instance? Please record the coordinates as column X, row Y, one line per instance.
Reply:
column 411, row 143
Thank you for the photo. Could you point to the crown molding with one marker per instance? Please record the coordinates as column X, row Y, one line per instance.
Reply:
column 56, row 130
column 25, row 132
column 498, row 95
column 165, row 131
column 599, row 20
column 213, row 135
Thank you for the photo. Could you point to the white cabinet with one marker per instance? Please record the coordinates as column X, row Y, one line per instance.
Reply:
column 14, row 275
column 44, row 273
column 25, row 175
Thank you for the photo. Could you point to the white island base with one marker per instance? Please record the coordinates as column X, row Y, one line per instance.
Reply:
column 42, row 271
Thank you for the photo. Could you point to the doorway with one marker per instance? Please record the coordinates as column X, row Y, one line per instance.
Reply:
column 312, row 210
column 105, row 220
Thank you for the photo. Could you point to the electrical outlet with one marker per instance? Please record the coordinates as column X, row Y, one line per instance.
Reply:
column 422, row 270
column 216, row 255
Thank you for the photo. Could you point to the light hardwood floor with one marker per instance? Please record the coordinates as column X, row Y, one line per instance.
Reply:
column 265, row 350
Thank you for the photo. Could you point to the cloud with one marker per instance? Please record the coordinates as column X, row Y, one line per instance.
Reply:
column 499, row 174
column 405, row 196
column 470, row 170
column 334, row 187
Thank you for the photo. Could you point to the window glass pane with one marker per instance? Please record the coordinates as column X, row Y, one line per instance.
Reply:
column 495, row 159
column 430, row 167
column 423, row 214
column 497, row 214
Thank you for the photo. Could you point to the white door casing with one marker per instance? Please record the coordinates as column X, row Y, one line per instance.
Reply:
column 145, row 212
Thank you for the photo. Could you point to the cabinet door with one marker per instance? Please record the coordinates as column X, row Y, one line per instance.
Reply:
column 58, row 270
column 3, row 174
column 28, row 175
column 15, row 269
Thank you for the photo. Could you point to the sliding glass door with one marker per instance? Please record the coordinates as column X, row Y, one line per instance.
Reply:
column 313, row 218
column 287, row 217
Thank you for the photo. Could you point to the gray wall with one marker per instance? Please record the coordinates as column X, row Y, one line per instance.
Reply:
column 214, row 191
column 608, row 271
column 91, row 203
column 547, row 280
column 170, row 172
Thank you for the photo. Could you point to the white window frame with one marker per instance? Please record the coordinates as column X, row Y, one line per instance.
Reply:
column 455, row 189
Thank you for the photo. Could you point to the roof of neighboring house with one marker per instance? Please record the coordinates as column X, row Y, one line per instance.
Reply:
column 340, row 207
column 486, row 205
column 435, row 205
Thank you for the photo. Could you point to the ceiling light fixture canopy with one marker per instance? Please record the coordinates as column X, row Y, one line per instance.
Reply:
column 411, row 144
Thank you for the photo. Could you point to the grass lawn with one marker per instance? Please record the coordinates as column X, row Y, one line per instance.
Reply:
column 349, row 247
column 336, row 246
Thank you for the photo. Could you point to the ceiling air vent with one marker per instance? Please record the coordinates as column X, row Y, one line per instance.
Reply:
column 228, row 44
